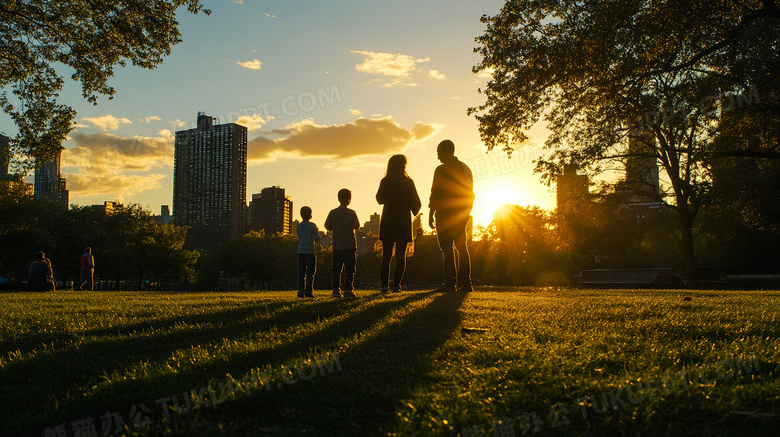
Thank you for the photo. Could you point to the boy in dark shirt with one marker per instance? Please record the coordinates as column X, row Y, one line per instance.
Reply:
column 343, row 222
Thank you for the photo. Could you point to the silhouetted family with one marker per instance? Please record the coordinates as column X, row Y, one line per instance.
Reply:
column 451, row 200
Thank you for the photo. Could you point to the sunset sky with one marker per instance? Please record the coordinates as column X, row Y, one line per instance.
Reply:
column 327, row 90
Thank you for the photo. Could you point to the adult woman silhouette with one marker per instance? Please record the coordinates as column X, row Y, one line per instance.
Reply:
column 399, row 196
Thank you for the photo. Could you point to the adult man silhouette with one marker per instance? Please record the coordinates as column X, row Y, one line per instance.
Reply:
column 452, row 197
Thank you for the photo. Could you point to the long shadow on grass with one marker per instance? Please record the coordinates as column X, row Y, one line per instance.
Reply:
column 377, row 376
column 58, row 340
column 60, row 375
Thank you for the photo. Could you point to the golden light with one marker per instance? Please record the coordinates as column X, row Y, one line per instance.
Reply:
column 492, row 193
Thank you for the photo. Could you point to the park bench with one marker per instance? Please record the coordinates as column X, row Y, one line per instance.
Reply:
column 629, row 278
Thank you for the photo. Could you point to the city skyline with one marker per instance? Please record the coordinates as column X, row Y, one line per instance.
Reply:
column 324, row 104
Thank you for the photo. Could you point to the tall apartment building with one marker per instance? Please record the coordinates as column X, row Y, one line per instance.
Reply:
column 209, row 181
column 372, row 225
column 5, row 155
column 642, row 169
column 571, row 191
column 49, row 183
column 271, row 211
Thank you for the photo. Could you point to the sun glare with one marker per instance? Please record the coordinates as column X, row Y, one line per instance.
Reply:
column 491, row 194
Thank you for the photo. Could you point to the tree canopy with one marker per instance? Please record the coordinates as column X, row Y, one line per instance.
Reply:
column 654, row 74
column 39, row 39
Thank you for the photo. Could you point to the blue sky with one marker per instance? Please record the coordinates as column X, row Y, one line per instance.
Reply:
column 328, row 91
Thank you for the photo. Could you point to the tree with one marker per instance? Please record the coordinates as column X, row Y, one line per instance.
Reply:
column 254, row 261
column 91, row 37
column 515, row 249
column 657, row 73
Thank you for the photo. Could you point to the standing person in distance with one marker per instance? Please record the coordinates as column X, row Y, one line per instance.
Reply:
column 343, row 222
column 399, row 196
column 87, row 269
column 308, row 237
column 452, row 197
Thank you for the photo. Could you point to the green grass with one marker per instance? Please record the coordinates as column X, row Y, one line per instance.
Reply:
column 560, row 362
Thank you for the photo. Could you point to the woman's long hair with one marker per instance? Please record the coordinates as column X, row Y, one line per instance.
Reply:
column 396, row 167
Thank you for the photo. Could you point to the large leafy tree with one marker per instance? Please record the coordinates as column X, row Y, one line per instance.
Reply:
column 39, row 39
column 654, row 74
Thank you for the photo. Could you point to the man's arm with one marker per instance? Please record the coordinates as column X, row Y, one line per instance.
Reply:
column 329, row 222
column 434, row 199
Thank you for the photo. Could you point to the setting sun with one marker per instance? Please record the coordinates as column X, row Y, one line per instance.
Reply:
column 491, row 194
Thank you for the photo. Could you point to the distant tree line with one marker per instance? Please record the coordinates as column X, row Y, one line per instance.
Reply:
column 529, row 246
column 738, row 231
column 128, row 243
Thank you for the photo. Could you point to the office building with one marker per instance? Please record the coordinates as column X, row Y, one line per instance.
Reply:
column 571, row 191
column 417, row 227
column 165, row 216
column 642, row 180
column 271, row 211
column 49, row 183
column 209, row 181
column 5, row 155
column 372, row 225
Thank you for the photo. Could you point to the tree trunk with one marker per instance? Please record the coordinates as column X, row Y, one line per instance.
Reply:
column 686, row 241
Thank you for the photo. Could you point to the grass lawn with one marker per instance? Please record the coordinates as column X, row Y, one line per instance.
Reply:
column 500, row 362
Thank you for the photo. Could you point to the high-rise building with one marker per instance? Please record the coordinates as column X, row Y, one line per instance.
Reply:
column 5, row 155
column 571, row 191
column 417, row 227
column 372, row 225
column 641, row 189
column 165, row 216
column 49, row 183
column 209, row 181
column 271, row 211
column 642, row 169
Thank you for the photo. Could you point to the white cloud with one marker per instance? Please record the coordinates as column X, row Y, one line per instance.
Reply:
column 397, row 82
column 254, row 64
column 107, row 122
column 397, row 68
column 251, row 122
column 388, row 64
column 436, row 75
column 354, row 112
column 487, row 73
column 269, row 15
column 152, row 118
column 178, row 123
